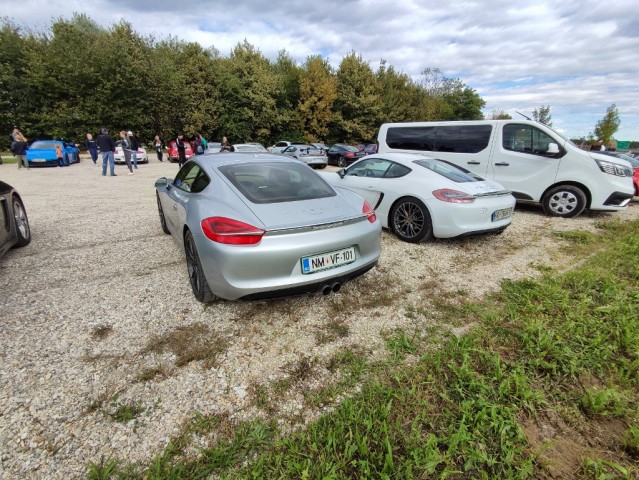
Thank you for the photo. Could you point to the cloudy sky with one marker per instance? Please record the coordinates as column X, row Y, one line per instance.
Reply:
column 579, row 57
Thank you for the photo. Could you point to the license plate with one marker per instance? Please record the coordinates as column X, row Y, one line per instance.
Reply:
column 324, row 261
column 39, row 160
column 502, row 214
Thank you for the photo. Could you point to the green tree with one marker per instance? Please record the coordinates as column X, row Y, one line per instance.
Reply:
column 289, row 77
column 608, row 125
column 249, row 89
column 318, row 91
column 500, row 115
column 358, row 104
column 402, row 99
column 542, row 115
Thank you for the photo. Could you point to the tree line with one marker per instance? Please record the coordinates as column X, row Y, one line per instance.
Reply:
column 78, row 77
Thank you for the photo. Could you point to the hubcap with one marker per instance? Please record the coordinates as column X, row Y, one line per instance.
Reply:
column 22, row 225
column 409, row 219
column 562, row 203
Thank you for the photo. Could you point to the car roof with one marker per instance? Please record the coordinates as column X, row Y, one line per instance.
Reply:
column 210, row 161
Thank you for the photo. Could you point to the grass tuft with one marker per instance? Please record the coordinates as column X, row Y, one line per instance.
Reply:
column 191, row 343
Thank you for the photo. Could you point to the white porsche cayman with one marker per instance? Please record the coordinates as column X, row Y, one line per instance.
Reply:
column 420, row 197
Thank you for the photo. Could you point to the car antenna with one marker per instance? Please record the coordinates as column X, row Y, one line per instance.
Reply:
column 526, row 117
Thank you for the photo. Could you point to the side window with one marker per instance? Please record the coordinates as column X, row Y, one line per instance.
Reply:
column 411, row 138
column 187, row 179
column 396, row 170
column 374, row 167
column 526, row 139
column 281, row 144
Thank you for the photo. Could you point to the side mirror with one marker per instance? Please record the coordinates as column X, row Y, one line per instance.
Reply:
column 553, row 148
column 161, row 182
column 341, row 172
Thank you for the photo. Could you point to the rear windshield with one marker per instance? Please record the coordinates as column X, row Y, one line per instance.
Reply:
column 267, row 182
column 449, row 171
column 45, row 145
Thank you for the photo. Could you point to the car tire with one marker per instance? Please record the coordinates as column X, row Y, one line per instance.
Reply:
column 199, row 285
column 23, row 231
column 165, row 228
column 410, row 220
column 341, row 162
column 564, row 201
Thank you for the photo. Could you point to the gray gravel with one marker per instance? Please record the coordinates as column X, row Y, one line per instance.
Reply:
column 99, row 262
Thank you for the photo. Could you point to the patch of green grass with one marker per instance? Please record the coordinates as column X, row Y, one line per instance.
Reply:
column 606, row 470
column 122, row 412
column 631, row 439
column 400, row 344
column 608, row 401
column 578, row 236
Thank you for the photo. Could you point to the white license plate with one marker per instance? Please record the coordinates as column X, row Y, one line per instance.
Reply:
column 324, row 261
column 38, row 160
column 502, row 214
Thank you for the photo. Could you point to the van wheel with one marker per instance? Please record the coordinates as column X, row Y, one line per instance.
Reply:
column 411, row 221
column 564, row 201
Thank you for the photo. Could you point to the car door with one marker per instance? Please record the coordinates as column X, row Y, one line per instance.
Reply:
column 365, row 178
column 524, row 161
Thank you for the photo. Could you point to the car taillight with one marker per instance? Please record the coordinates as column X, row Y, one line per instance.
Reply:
column 369, row 212
column 349, row 154
column 231, row 232
column 453, row 196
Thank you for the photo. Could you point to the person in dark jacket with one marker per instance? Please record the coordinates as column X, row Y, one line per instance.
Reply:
column 133, row 145
column 19, row 150
column 180, row 143
column 92, row 147
column 107, row 147
column 158, row 146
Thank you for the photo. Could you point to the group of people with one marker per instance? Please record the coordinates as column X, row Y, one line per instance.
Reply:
column 106, row 144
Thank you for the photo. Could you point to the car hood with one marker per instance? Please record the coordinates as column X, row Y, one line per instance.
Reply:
column 309, row 213
column 611, row 159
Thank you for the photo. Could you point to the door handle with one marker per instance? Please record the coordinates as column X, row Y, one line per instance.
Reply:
column 473, row 163
column 502, row 164
column 175, row 207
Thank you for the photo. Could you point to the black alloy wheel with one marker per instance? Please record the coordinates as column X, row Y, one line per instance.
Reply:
column 165, row 228
column 411, row 221
column 199, row 285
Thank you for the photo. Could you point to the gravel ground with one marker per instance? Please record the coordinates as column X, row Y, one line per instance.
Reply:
column 92, row 310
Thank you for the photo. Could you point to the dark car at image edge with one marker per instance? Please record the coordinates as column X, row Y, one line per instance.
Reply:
column 14, row 224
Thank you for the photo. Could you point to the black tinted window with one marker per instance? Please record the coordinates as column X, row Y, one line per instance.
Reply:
column 276, row 182
column 449, row 138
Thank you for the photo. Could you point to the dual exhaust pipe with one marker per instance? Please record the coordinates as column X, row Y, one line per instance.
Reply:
column 333, row 287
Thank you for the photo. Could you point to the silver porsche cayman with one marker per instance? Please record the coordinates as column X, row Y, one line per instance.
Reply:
column 260, row 226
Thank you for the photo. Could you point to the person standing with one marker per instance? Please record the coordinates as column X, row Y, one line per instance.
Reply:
column 92, row 147
column 126, row 150
column 59, row 155
column 19, row 150
column 107, row 146
column 134, row 145
column 226, row 146
column 180, row 143
column 158, row 146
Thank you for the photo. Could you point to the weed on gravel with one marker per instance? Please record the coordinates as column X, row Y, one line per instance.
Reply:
column 545, row 386
column 190, row 343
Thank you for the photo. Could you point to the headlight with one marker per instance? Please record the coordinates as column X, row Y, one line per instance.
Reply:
column 614, row 168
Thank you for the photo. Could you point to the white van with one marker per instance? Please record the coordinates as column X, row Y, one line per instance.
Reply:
column 533, row 161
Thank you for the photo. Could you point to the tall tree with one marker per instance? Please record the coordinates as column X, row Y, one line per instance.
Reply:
column 608, row 125
column 542, row 115
column 358, row 103
column 289, row 76
column 500, row 115
column 318, row 91
column 402, row 99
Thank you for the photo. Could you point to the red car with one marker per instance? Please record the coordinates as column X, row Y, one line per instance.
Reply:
column 173, row 151
column 634, row 161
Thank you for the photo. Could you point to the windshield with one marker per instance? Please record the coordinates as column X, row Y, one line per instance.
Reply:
column 46, row 145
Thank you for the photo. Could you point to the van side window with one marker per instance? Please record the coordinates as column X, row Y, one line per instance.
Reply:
column 453, row 138
column 526, row 139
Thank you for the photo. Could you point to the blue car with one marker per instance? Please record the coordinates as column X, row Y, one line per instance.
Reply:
column 42, row 152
